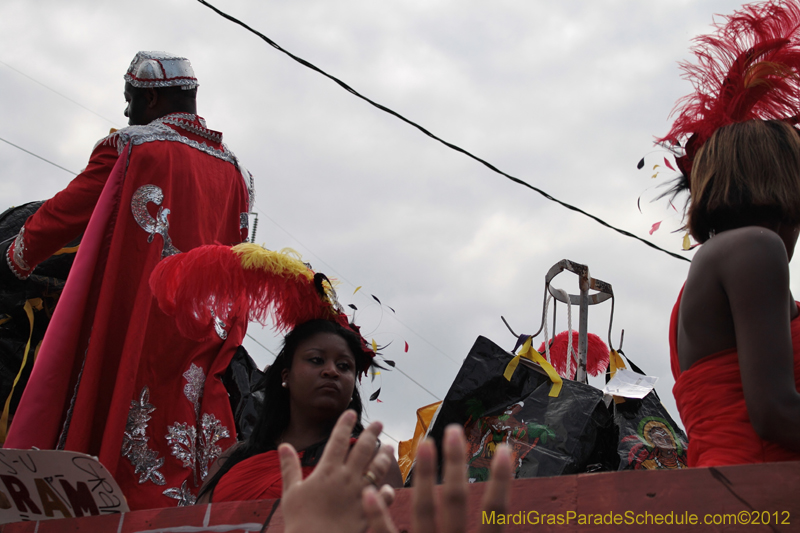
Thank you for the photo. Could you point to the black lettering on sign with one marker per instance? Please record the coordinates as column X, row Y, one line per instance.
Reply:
column 80, row 498
column 19, row 493
column 50, row 500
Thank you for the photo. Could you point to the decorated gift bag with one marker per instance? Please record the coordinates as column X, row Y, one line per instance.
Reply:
column 646, row 436
column 550, row 424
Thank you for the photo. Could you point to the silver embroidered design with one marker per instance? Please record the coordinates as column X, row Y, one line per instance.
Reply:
column 196, row 451
column 182, row 494
column 19, row 250
column 212, row 432
column 219, row 326
column 159, row 131
column 159, row 225
column 193, row 390
column 17, row 262
column 182, row 439
column 244, row 222
column 134, row 441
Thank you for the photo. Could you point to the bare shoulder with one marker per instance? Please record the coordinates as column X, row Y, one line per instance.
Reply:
column 742, row 251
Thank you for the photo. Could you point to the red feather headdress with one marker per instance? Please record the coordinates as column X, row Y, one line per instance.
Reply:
column 748, row 69
column 216, row 282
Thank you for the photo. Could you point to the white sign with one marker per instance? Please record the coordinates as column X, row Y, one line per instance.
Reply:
column 629, row 384
column 45, row 484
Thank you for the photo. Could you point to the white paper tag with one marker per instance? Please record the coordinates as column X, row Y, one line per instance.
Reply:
column 629, row 384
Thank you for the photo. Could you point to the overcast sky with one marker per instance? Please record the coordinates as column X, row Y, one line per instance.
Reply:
column 566, row 95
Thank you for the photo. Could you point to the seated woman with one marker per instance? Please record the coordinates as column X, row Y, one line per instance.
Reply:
column 735, row 333
column 310, row 384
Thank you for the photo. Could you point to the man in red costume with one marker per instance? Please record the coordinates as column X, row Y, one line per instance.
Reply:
column 113, row 377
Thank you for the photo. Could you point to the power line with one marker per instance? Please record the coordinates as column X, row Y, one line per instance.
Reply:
column 38, row 156
column 256, row 341
column 417, row 383
column 58, row 93
column 395, row 114
column 248, row 335
column 339, row 276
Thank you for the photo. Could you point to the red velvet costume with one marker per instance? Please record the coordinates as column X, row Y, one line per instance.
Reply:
column 711, row 403
column 114, row 378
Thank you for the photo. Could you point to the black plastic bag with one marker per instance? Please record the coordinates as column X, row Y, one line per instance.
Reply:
column 240, row 380
column 26, row 307
column 548, row 436
column 647, row 437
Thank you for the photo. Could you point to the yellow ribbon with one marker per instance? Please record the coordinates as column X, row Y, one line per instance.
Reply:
column 70, row 250
column 30, row 305
column 528, row 352
column 615, row 363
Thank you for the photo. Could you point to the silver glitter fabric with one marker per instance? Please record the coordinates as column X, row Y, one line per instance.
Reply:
column 161, row 69
column 134, row 441
column 160, row 225
column 182, row 494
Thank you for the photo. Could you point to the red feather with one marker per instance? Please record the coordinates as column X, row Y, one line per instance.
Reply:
column 596, row 354
column 748, row 69
column 190, row 285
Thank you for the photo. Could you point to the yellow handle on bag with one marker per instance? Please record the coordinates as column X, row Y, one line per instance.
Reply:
column 528, row 352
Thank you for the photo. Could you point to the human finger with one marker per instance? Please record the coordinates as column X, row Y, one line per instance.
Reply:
column 388, row 494
column 422, row 504
column 378, row 517
column 339, row 442
column 379, row 466
column 453, row 505
column 495, row 497
column 363, row 450
column 291, row 472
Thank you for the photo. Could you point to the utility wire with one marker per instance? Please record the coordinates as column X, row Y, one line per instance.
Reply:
column 385, row 109
column 38, row 156
column 58, row 93
column 256, row 341
column 417, row 383
column 250, row 336
column 339, row 276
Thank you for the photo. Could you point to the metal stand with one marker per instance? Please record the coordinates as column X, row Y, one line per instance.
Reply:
column 583, row 300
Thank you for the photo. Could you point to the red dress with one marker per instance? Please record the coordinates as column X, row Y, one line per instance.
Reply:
column 710, row 400
column 113, row 378
column 255, row 478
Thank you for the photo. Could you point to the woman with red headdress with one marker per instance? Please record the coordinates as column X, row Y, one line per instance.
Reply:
column 735, row 332
column 312, row 380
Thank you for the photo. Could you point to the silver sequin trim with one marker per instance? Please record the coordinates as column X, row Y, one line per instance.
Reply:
column 159, row 225
column 19, row 257
column 244, row 221
column 188, row 125
column 134, row 441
